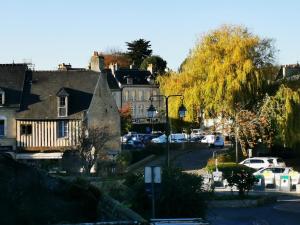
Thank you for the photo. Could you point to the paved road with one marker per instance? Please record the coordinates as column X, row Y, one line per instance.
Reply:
column 188, row 159
column 264, row 215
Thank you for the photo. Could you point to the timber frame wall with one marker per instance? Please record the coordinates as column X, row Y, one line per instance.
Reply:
column 44, row 135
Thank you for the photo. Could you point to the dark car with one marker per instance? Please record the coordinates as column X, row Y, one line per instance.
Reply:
column 134, row 145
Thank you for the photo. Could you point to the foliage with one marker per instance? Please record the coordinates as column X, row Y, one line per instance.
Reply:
column 126, row 122
column 138, row 50
column 228, row 168
column 243, row 180
column 120, row 58
column 158, row 64
column 221, row 159
column 227, row 66
column 91, row 145
column 181, row 195
column 252, row 128
column 283, row 111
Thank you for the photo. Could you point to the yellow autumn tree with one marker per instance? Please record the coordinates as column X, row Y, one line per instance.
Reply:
column 228, row 66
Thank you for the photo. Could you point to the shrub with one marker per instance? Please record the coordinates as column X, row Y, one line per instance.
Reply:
column 180, row 195
column 243, row 180
column 229, row 168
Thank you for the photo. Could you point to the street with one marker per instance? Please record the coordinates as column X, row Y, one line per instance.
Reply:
column 188, row 159
column 263, row 215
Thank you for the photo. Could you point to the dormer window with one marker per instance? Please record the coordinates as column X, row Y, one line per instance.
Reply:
column 62, row 103
column 129, row 80
column 2, row 97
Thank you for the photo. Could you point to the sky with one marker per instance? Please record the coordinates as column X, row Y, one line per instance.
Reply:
column 51, row 32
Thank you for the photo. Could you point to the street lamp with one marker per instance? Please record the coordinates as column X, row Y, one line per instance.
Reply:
column 151, row 114
column 181, row 111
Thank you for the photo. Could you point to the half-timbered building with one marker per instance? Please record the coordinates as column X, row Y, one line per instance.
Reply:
column 56, row 103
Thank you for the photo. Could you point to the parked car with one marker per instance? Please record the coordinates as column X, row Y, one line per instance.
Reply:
column 195, row 133
column 274, row 170
column 134, row 145
column 208, row 139
column 258, row 162
column 219, row 142
column 277, row 161
column 178, row 138
column 197, row 139
column 146, row 138
column 132, row 136
column 272, row 175
column 160, row 140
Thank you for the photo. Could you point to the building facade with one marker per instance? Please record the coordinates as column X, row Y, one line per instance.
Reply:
column 12, row 78
column 136, row 87
column 47, row 110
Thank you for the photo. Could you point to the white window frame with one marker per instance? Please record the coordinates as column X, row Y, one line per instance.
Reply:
column 63, row 129
column 62, row 107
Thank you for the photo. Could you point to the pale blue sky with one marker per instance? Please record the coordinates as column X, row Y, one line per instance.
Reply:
column 55, row 31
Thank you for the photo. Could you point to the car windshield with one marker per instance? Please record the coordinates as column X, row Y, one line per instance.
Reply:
column 279, row 160
column 270, row 160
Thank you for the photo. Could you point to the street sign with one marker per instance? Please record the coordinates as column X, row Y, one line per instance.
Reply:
column 152, row 173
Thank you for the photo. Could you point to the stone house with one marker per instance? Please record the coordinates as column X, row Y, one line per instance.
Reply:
column 46, row 110
column 12, row 77
column 135, row 87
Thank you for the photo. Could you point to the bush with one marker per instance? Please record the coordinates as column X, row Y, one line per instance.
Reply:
column 181, row 195
column 222, row 158
column 229, row 168
column 243, row 180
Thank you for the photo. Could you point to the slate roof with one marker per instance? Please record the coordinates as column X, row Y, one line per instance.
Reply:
column 41, row 88
column 139, row 77
column 12, row 78
column 111, row 80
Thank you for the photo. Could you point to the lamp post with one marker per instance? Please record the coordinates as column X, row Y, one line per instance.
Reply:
column 181, row 111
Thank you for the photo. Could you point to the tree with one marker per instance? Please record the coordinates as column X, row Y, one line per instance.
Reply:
column 126, row 122
column 91, row 145
column 251, row 128
column 228, row 66
column 158, row 64
column 120, row 58
column 283, row 112
column 243, row 180
column 138, row 50
column 181, row 195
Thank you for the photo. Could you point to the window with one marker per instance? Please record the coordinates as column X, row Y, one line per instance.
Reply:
column 141, row 95
column 62, row 106
column 26, row 129
column 147, row 95
column 133, row 96
column 62, row 102
column 256, row 161
column 63, row 129
column 126, row 97
column 2, row 97
column 2, row 125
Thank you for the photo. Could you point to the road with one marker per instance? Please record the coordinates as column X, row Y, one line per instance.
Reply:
column 263, row 215
column 189, row 158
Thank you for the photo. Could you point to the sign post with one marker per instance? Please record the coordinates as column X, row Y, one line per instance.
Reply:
column 152, row 179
